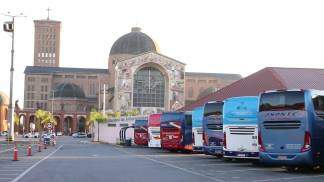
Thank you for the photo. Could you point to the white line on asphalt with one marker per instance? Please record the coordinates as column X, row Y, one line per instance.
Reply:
column 173, row 166
column 6, row 150
column 36, row 164
column 183, row 169
column 11, row 174
column 291, row 178
column 223, row 164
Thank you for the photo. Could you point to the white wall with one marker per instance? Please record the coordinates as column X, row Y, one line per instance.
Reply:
column 110, row 134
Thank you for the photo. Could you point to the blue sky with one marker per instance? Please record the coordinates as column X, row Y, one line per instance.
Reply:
column 231, row 36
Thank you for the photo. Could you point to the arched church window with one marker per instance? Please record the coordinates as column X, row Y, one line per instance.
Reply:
column 149, row 88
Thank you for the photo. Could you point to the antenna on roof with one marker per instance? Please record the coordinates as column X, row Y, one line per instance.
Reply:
column 48, row 12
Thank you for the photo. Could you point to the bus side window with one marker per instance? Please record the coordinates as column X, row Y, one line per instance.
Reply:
column 318, row 102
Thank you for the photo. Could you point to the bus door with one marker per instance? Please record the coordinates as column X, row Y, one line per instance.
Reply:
column 318, row 136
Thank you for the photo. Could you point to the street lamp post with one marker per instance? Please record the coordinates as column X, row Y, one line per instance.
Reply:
column 10, row 27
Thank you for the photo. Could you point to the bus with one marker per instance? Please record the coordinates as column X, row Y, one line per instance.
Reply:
column 176, row 131
column 213, row 128
column 292, row 128
column 197, row 117
column 154, row 139
column 140, row 132
column 240, row 127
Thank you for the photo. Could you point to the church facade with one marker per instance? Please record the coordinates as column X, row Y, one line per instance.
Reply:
column 139, row 77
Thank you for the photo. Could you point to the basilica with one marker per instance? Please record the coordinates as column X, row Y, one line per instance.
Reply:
column 139, row 77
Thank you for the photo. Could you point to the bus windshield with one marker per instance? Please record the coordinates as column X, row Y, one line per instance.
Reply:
column 213, row 109
column 318, row 102
column 279, row 101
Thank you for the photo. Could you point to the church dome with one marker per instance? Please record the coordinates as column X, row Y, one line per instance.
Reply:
column 4, row 99
column 133, row 43
column 69, row 90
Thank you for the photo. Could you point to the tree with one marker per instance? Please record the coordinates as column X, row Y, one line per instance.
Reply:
column 43, row 118
column 98, row 117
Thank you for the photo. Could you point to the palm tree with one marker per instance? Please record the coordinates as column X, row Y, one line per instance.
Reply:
column 98, row 117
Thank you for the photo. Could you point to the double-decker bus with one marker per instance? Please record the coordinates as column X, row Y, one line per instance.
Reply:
column 154, row 122
column 292, row 128
column 213, row 128
column 240, row 127
column 197, row 131
column 140, row 132
column 176, row 131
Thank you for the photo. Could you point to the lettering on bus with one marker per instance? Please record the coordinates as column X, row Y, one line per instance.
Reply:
column 283, row 115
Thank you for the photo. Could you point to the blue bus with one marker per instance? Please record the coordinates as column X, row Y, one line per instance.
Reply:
column 197, row 137
column 213, row 128
column 176, row 131
column 292, row 128
column 240, row 127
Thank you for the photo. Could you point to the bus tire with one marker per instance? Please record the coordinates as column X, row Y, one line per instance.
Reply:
column 292, row 168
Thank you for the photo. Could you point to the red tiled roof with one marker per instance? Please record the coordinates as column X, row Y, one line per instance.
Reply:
column 270, row 78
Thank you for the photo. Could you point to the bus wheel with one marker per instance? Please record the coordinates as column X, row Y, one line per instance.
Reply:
column 256, row 162
column 227, row 159
column 292, row 168
column 219, row 156
column 317, row 168
column 173, row 151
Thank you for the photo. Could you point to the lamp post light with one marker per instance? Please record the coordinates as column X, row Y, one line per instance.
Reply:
column 10, row 27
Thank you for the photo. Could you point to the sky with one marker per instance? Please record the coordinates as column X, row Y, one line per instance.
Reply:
column 217, row 36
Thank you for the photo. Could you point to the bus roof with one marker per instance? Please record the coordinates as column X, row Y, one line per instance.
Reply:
column 140, row 122
column 173, row 116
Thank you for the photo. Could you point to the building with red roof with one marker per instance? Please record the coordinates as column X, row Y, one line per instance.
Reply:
column 270, row 78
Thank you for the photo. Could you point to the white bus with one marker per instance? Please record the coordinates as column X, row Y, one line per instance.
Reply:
column 240, row 127
column 154, row 138
column 197, row 130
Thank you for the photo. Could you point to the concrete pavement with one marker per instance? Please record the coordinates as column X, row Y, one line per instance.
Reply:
column 80, row 160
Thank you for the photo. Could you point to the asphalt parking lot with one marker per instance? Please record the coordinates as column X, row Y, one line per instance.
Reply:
column 81, row 160
column 210, row 168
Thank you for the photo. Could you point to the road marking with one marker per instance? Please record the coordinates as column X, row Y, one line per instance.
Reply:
column 291, row 178
column 36, row 164
column 173, row 166
column 11, row 174
column 6, row 150
column 193, row 161
column 222, row 164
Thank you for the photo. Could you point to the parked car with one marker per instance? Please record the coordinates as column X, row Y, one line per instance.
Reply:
column 82, row 135
column 79, row 135
column 36, row 135
column 75, row 135
column 4, row 133
column 28, row 135
column 59, row 133
column 89, row 135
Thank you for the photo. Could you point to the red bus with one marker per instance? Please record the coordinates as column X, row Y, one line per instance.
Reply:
column 176, row 131
column 140, row 132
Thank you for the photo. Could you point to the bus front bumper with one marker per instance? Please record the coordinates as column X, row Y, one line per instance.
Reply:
column 198, row 148
column 287, row 159
column 241, row 155
column 213, row 150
